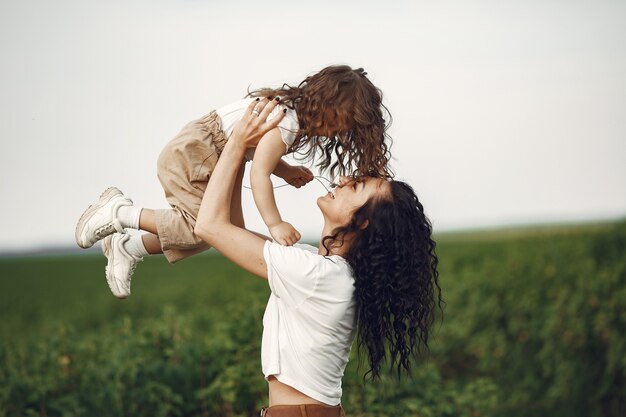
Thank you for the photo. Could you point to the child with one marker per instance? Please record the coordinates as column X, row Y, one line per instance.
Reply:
column 336, row 111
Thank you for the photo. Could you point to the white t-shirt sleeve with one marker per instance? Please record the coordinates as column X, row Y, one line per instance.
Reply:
column 292, row 272
column 232, row 113
column 288, row 126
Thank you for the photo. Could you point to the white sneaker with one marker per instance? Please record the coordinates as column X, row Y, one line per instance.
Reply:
column 100, row 219
column 120, row 265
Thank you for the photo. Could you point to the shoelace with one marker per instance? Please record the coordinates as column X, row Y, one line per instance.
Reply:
column 133, row 265
column 105, row 230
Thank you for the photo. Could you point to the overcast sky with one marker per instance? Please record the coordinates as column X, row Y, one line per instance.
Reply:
column 504, row 112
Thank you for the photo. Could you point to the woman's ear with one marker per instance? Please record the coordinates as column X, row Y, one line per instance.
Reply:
column 364, row 224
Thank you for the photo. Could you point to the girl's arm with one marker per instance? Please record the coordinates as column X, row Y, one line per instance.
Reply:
column 236, row 211
column 266, row 157
column 296, row 176
column 214, row 224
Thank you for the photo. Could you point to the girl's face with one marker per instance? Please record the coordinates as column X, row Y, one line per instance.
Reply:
column 339, row 205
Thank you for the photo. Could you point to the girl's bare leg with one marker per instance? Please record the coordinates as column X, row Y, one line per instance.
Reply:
column 150, row 240
column 147, row 221
column 152, row 243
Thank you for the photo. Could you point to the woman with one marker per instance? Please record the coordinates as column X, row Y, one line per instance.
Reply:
column 374, row 275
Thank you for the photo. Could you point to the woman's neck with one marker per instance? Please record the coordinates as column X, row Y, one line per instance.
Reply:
column 334, row 248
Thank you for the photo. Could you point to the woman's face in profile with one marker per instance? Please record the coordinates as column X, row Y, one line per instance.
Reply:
column 340, row 203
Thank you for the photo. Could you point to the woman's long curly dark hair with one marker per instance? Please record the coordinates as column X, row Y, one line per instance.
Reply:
column 340, row 113
column 396, row 280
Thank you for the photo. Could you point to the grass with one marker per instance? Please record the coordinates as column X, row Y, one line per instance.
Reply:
column 533, row 325
column 36, row 294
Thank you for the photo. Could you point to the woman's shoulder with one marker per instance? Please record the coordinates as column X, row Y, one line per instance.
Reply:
column 334, row 263
column 303, row 253
column 300, row 253
column 307, row 247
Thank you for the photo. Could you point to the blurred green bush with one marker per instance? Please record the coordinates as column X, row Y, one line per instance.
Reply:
column 535, row 325
column 543, row 316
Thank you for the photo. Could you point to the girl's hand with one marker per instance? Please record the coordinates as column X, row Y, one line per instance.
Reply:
column 253, row 125
column 297, row 176
column 284, row 233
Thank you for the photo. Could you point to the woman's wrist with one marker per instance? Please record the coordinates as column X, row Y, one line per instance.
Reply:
column 234, row 147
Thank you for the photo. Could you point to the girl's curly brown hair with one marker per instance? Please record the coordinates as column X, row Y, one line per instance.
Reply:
column 340, row 113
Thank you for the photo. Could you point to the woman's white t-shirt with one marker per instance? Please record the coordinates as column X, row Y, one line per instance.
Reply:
column 309, row 321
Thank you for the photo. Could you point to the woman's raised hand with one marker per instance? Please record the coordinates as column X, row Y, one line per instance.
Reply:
column 254, row 124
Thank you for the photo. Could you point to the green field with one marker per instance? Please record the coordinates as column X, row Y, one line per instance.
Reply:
column 535, row 324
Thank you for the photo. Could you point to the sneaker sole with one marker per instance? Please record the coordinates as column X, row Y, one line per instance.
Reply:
column 106, row 249
column 105, row 197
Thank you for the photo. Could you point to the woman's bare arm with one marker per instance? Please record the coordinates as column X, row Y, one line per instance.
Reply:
column 236, row 212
